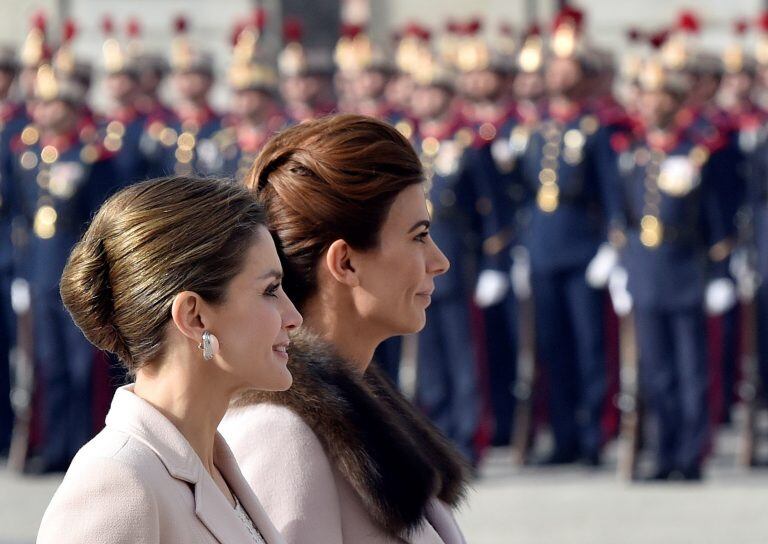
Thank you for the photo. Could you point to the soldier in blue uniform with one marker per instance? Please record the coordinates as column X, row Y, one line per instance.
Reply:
column 569, row 175
column 758, row 209
column 447, row 387
column 676, row 246
column 255, row 115
column 12, row 120
column 123, row 128
column 194, row 120
column 494, row 167
column 64, row 175
column 306, row 75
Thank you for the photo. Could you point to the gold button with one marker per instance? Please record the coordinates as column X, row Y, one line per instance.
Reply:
column 89, row 154
column 548, row 198
column 30, row 135
column 45, row 222
column 168, row 136
column 28, row 160
column 430, row 146
column 113, row 142
column 574, row 138
column 487, row 131
column 184, row 156
column 117, row 128
column 49, row 154
column 186, row 141
column 547, row 176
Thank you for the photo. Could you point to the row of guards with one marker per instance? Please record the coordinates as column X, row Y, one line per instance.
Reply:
column 605, row 219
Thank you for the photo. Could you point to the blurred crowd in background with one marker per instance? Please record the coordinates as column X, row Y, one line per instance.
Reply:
column 605, row 218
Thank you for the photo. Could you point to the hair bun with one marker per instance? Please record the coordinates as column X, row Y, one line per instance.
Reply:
column 87, row 294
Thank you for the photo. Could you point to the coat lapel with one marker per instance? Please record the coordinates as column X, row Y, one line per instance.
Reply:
column 227, row 465
column 133, row 415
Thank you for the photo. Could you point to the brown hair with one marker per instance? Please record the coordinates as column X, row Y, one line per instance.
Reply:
column 146, row 244
column 329, row 179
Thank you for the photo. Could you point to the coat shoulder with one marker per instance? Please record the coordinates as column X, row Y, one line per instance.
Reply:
column 104, row 497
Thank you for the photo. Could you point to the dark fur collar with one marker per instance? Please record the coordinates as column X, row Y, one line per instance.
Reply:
column 393, row 457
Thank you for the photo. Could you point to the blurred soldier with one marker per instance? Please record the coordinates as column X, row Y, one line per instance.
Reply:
column 123, row 126
column 570, row 175
column 496, row 174
column 64, row 175
column 367, row 69
column 70, row 67
column 482, row 75
column 528, row 81
column 305, row 76
column 12, row 120
column 447, row 387
column 194, row 120
column 150, row 69
column 675, row 244
column 255, row 114
column 410, row 44
column 34, row 51
column 745, row 125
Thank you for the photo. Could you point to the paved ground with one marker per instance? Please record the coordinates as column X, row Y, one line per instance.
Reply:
column 536, row 506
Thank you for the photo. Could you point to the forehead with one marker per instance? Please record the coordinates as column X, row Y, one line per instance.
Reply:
column 262, row 254
column 409, row 206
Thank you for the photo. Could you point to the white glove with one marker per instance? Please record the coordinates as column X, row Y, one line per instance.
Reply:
column 617, row 288
column 521, row 273
column 720, row 296
column 20, row 297
column 601, row 266
column 492, row 287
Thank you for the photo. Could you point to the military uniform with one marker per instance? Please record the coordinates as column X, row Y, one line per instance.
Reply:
column 674, row 244
column 492, row 164
column 62, row 182
column 569, row 175
column 12, row 120
column 447, row 387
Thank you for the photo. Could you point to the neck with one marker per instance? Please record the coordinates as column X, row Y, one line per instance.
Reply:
column 339, row 325
column 194, row 401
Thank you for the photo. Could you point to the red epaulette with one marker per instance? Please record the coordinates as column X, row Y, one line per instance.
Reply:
column 16, row 145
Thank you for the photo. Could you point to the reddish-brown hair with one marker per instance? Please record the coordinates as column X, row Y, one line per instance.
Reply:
column 329, row 179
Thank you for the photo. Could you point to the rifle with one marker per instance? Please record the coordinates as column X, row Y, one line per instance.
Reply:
column 525, row 381
column 24, row 378
column 628, row 400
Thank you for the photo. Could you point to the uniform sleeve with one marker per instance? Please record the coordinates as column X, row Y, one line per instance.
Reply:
column 716, row 222
column 105, row 501
column 289, row 471
column 608, row 177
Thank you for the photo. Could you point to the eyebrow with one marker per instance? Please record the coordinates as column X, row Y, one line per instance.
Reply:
column 423, row 223
column 277, row 274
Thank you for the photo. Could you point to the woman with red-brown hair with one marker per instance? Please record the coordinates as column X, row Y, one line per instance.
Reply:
column 342, row 457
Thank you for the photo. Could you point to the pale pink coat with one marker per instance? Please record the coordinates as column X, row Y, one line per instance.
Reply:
column 306, row 497
column 140, row 482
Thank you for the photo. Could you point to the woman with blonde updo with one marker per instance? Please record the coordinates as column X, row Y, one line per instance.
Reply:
column 181, row 280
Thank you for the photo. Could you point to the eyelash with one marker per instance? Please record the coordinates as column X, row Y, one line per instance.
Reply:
column 272, row 290
column 421, row 238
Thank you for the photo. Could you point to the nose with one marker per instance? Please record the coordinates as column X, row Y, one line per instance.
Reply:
column 291, row 317
column 437, row 263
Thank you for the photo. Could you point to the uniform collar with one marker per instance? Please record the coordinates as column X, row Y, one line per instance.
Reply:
column 136, row 417
column 9, row 110
column 196, row 115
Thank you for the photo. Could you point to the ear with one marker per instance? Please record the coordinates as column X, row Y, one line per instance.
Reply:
column 338, row 259
column 185, row 314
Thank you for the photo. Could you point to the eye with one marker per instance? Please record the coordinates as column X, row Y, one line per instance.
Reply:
column 272, row 290
column 422, row 237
